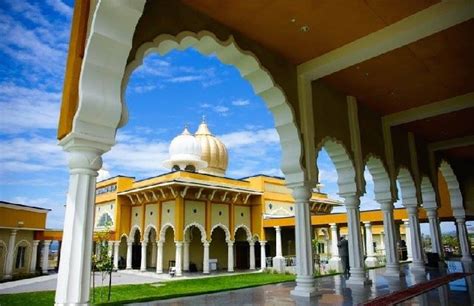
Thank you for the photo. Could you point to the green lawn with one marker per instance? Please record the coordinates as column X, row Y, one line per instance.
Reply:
column 147, row 292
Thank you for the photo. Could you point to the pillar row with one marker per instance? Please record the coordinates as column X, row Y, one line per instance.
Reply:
column 11, row 250
column 418, row 262
column 143, row 259
column 34, row 256
column 392, row 266
column 371, row 260
column 356, row 256
column 230, row 256
column 159, row 256
column 178, row 258
column 252, row 254
column 463, row 239
column 335, row 261
column 116, row 254
column 263, row 255
column 129, row 255
column 205, row 264
column 435, row 231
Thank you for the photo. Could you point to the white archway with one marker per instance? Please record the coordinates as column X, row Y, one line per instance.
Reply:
column 344, row 166
column 250, row 69
column 133, row 231
column 454, row 190
column 380, row 177
column 246, row 229
column 224, row 228
column 407, row 186
column 147, row 232
column 427, row 193
column 201, row 229
column 163, row 230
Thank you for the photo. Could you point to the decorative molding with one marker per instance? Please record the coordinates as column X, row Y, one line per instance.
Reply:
column 452, row 143
column 407, row 186
column 245, row 228
column 382, row 192
column 424, row 23
column 431, row 110
column 224, row 228
column 201, row 229
column 163, row 230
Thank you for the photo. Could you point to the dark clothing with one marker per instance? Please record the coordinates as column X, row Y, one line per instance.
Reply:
column 343, row 246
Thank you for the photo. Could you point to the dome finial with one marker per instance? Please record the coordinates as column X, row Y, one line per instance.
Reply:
column 203, row 129
column 186, row 130
column 203, row 119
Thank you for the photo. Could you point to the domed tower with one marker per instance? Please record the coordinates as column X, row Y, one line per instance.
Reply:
column 185, row 153
column 213, row 151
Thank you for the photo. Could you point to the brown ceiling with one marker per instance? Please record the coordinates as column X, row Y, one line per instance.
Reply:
column 332, row 23
column 462, row 153
column 430, row 70
column 444, row 127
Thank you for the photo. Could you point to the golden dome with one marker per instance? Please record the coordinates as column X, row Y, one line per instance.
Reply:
column 213, row 151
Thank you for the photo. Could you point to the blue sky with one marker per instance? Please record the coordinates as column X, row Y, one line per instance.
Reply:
column 164, row 94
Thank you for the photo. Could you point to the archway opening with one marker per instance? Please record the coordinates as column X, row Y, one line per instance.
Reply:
column 122, row 261
column 242, row 249
column 136, row 250
column 169, row 248
column 151, row 248
column 195, row 250
column 218, row 248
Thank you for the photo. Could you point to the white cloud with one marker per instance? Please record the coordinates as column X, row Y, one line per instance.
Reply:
column 31, row 154
column 185, row 79
column 240, row 102
column 55, row 216
column 221, row 109
column 103, row 174
column 239, row 139
column 60, row 7
column 27, row 108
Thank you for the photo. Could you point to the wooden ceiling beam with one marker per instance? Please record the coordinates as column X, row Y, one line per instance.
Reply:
column 427, row 22
column 430, row 110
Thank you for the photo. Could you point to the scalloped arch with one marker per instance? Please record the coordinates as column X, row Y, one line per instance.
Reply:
column 343, row 163
column 224, row 228
column 163, row 230
column 132, row 233
column 250, row 69
column 380, row 177
column 200, row 227
column 453, row 187
column 245, row 228
column 407, row 186
column 148, row 230
column 427, row 193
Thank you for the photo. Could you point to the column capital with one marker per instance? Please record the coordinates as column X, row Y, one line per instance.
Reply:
column 178, row 244
column 460, row 219
column 277, row 228
column 351, row 200
column 144, row 242
column 386, row 205
column 46, row 242
column 159, row 243
column 206, row 243
column 36, row 242
column 412, row 210
column 367, row 224
column 262, row 242
column 251, row 242
column 129, row 243
column 301, row 193
column 13, row 232
column 230, row 243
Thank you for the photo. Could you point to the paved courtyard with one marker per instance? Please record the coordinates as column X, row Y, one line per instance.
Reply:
column 332, row 289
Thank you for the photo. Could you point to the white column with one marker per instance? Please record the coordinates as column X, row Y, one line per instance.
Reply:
column 305, row 285
column 435, row 232
column 116, row 254
column 34, row 255
column 382, row 243
column 371, row 260
column 205, row 262
column 392, row 265
column 129, row 255
column 406, row 223
column 143, row 259
column 153, row 254
column 159, row 257
column 252, row 254
column 110, row 248
column 418, row 263
column 356, row 255
column 85, row 160
column 263, row 255
column 230, row 256
column 186, row 256
column 335, row 260
column 9, row 259
column 45, row 258
column 279, row 262
column 463, row 239
column 178, row 258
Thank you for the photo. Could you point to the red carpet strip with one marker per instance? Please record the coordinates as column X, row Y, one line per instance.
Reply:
column 410, row 292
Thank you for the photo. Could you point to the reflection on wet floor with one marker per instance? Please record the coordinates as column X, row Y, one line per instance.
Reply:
column 333, row 291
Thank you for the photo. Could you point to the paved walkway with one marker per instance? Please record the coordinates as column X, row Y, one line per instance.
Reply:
column 333, row 291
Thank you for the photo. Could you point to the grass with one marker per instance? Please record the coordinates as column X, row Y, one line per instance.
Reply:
column 148, row 292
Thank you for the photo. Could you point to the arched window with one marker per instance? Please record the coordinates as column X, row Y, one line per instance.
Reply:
column 105, row 220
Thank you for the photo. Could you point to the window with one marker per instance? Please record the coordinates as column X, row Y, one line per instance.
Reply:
column 104, row 220
column 20, row 257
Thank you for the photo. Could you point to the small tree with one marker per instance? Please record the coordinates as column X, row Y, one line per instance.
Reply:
column 102, row 261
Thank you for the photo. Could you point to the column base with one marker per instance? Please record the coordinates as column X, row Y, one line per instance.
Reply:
column 358, row 277
column 279, row 264
column 305, row 287
column 335, row 263
column 393, row 272
column 371, row 261
column 466, row 259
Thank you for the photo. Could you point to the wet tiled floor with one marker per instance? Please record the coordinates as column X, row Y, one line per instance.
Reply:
column 333, row 291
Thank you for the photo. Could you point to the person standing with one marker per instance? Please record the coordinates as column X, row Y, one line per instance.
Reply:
column 343, row 247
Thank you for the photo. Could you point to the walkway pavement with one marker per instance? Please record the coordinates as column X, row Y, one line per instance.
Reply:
column 333, row 291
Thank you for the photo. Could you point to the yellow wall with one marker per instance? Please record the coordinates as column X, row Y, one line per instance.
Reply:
column 152, row 215
column 195, row 212
column 223, row 217
column 30, row 219
column 242, row 216
column 167, row 213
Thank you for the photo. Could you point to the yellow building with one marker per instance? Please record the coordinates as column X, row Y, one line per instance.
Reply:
column 194, row 217
column 19, row 224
